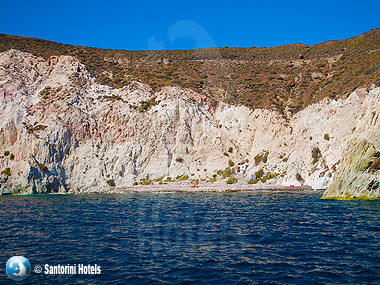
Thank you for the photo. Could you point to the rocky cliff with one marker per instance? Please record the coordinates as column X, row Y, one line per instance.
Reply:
column 359, row 176
column 61, row 130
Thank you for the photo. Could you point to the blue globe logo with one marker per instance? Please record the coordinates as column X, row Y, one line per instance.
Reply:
column 18, row 268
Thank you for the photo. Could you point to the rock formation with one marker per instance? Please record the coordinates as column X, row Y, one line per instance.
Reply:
column 60, row 130
column 359, row 176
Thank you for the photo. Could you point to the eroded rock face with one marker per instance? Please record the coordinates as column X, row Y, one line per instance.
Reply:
column 359, row 175
column 67, row 132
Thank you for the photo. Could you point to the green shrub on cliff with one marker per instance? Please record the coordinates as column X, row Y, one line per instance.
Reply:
column 146, row 105
column 226, row 173
column 145, row 181
column 259, row 173
column 6, row 171
column 261, row 157
column 42, row 167
column 232, row 180
column 212, row 180
column 183, row 178
column 315, row 154
column 110, row 182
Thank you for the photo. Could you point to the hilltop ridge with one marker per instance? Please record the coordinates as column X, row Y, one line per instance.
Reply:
column 285, row 78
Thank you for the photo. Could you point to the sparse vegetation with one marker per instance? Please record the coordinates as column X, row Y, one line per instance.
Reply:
column 110, row 182
column 315, row 154
column 232, row 180
column 145, row 181
column 231, row 163
column 212, row 180
column 299, row 178
column 32, row 129
column 49, row 92
column 146, row 105
column 12, row 156
column 259, row 173
column 265, row 157
column 262, row 176
column 261, row 157
column 226, row 173
column 183, row 178
column 6, row 171
column 255, row 77
column 113, row 97
column 43, row 167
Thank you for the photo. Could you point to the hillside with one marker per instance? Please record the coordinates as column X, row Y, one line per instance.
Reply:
column 284, row 78
column 82, row 119
column 62, row 131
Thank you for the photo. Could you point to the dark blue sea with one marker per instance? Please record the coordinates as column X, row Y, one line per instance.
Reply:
column 203, row 238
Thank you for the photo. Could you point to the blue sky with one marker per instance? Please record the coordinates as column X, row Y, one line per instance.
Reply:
column 142, row 25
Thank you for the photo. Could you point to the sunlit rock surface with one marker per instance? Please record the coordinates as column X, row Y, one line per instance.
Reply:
column 67, row 132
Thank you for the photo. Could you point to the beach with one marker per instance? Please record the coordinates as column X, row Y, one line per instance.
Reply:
column 179, row 188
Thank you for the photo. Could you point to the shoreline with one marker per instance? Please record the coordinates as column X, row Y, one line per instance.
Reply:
column 200, row 188
column 179, row 188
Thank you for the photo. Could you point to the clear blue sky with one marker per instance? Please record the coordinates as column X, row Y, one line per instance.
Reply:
column 141, row 25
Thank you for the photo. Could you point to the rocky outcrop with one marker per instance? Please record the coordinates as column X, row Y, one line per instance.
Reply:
column 66, row 132
column 359, row 175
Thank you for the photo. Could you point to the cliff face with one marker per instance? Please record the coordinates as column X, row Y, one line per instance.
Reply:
column 359, row 176
column 61, row 130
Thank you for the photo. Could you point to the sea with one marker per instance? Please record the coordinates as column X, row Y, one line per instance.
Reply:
column 192, row 238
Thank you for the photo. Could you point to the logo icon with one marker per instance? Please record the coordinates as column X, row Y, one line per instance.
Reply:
column 18, row 268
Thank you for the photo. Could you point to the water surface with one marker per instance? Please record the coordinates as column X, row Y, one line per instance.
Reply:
column 228, row 238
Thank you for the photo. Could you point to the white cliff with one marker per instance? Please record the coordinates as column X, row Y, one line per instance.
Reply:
column 66, row 132
column 358, row 176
